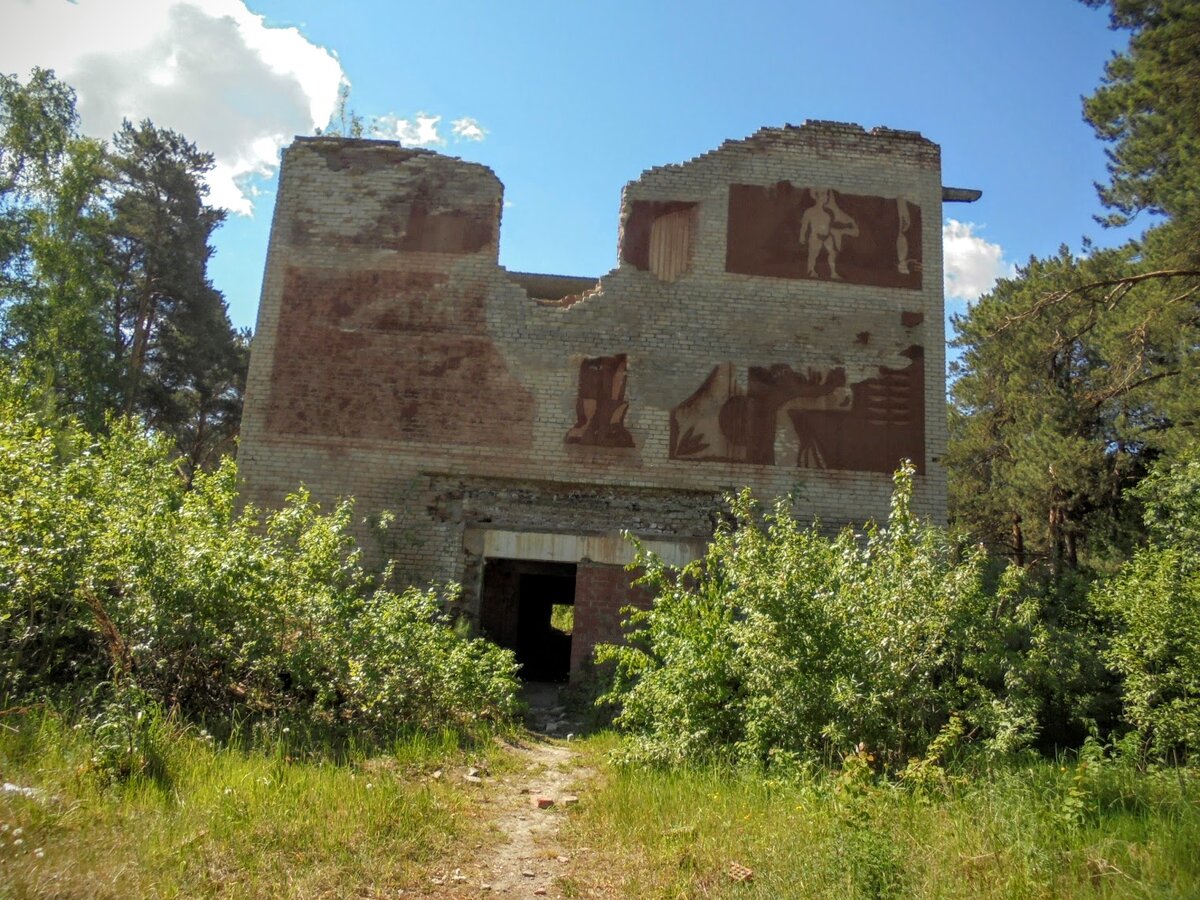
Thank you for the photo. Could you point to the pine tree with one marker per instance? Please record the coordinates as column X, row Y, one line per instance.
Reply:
column 1082, row 371
column 1148, row 110
column 104, row 293
column 1075, row 375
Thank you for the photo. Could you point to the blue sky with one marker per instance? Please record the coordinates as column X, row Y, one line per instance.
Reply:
column 569, row 101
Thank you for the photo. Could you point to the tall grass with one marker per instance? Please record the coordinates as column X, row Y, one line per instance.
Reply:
column 226, row 821
column 1023, row 829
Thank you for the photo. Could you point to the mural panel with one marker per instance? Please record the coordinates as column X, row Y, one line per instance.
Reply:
column 883, row 424
column 395, row 356
column 788, row 231
column 600, row 405
column 777, row 416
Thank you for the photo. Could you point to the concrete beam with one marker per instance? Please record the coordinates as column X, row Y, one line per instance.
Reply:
column 960, row 195
column 610, row 549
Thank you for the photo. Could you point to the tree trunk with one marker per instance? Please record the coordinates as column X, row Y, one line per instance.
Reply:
column 141, row 338
column 1018, row 541
column 1054, row 525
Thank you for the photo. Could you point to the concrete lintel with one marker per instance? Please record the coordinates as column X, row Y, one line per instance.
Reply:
column 960, row 195
column 609, row 549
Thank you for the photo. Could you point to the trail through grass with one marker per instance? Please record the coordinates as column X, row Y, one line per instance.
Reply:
column 414, row 822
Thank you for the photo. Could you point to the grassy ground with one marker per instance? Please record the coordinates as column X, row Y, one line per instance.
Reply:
column 1027, row 830
column 278, row 822
column 227, row 822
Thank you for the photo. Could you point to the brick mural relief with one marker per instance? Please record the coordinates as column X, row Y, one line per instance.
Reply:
column 789, row 231
column 883, row 424
column 773, row 415
column 600, row 405
column 435, row 374
column 741, row 416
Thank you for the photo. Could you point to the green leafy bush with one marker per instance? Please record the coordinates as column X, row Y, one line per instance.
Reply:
column 109, row 562
column 1155, row 599
column 782, row 644
column 1061, row 639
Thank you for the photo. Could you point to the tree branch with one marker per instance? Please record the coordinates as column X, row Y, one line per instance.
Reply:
column 1120, row 287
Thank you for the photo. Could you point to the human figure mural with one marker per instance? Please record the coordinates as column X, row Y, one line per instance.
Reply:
column 740, row 416
column 787, row 231
column 774, row 415
column 810, row 418
column 823, row 227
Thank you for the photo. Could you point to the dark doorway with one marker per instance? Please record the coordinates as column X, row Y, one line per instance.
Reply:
column 527, row 606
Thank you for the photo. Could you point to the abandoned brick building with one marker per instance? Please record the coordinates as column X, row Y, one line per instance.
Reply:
column 774, row 321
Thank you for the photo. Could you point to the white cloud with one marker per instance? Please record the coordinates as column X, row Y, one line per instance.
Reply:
column 972, row 265
column 468, row 129
column 419, row 131
column 209, row 69
column 423, row 129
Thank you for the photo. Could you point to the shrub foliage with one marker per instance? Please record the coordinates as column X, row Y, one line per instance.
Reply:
column 1155, row 599
column 110, row 563
column 897, row 644
column 784, row 643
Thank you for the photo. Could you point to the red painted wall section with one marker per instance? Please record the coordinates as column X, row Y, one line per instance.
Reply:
column 789, row 231
column 383, row 258
column 392, row 355
column 601, row 592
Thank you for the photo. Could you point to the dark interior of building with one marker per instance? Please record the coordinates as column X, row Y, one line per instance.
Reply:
column 516, row 610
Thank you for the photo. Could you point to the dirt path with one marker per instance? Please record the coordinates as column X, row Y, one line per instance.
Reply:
column 526, row 808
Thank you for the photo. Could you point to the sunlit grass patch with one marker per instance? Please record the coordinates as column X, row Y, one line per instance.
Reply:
column 260, row 822
column 1028, row 829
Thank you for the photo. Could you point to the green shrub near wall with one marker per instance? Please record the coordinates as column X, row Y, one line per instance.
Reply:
column 111, row 567
column 782, row 643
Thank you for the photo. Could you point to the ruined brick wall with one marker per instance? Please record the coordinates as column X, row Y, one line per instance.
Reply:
column 601, row 592
column 774, row 321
